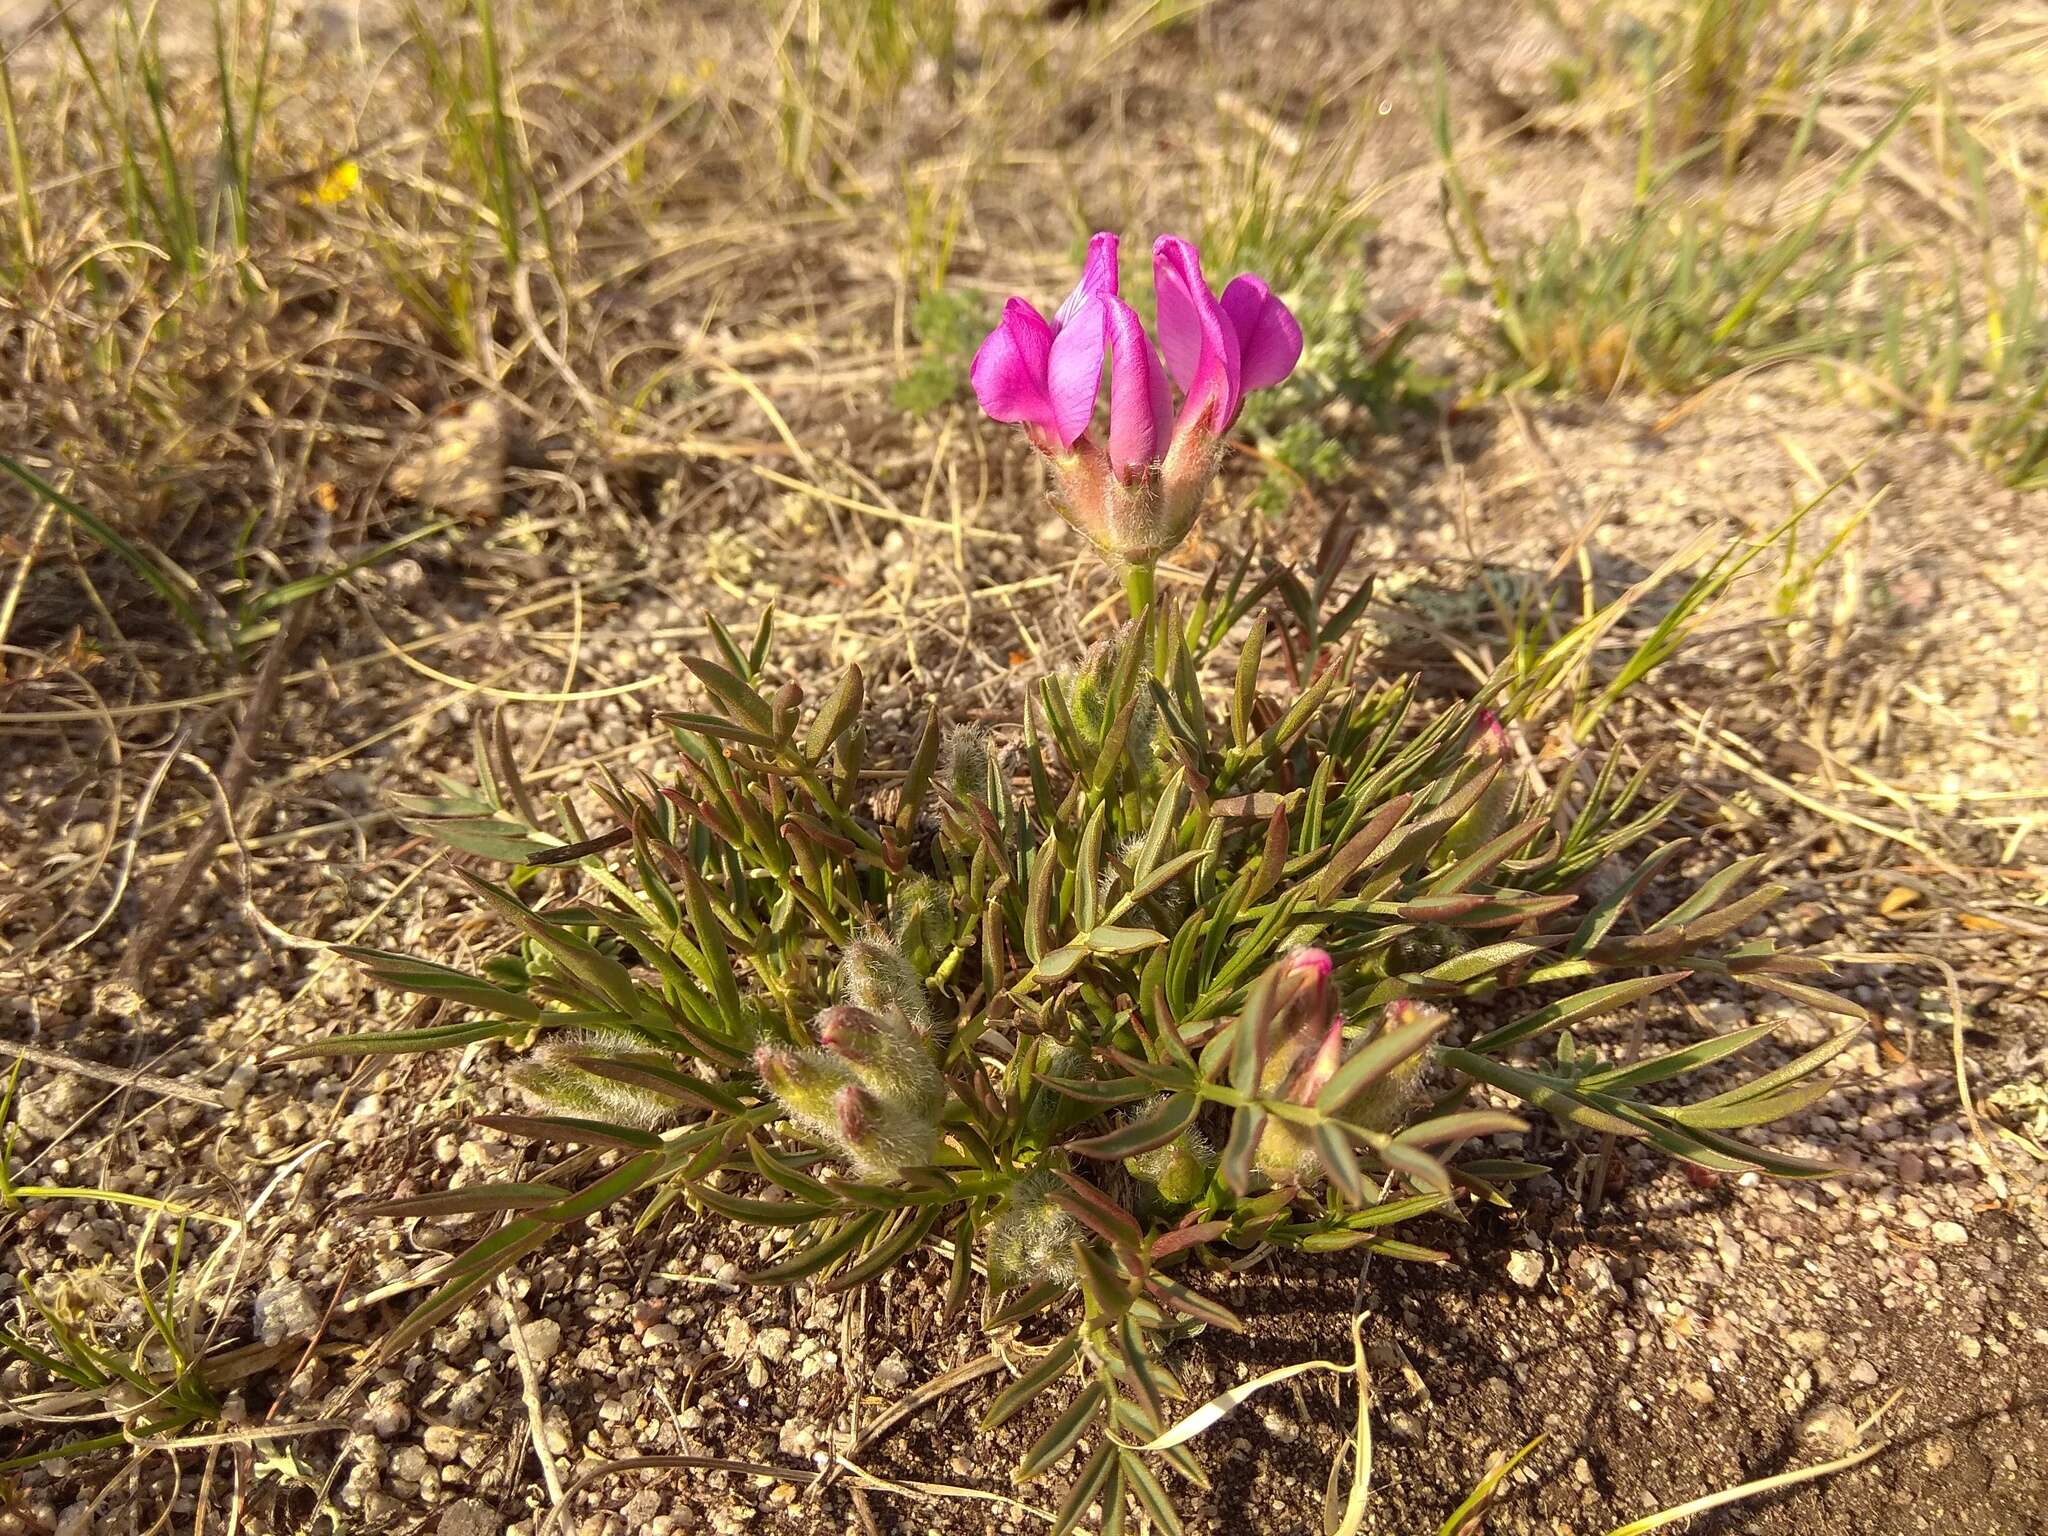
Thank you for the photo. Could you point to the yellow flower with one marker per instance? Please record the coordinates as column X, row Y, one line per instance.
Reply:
column 339, row 184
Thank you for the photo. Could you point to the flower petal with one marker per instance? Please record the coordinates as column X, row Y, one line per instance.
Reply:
column 1196, row 335
column 1075, row 376
column 1267, row 333
column 1097, row 277
column 1140, row 403
column 1009, row 370
column 1180, row 324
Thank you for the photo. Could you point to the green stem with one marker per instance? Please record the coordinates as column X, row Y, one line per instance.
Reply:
column 1138, row 588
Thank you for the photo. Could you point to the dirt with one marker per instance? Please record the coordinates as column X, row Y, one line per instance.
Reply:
column 1687, row 1335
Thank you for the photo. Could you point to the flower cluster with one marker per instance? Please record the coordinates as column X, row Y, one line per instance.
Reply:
column 1136, row 492
column 1302, row 1049
column 872, row 1088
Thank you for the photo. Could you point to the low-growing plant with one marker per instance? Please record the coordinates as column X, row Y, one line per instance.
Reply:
column 1676, row 295
column 1230, row 944
column 104, row 1359
column 1356, row 375
column 1975, row 360
column 1714, row 74
column 948, row 324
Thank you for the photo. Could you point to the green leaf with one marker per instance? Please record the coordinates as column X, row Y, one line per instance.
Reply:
column 1060, row 964
column 839, row 710
column 1484, row 961
column 1147, row 1132
column 403, row 1042
column 171, row 583
column 574, row 1130
column 1064, row 1431
column 820, row 1254
column 1034, row 1299
column 1074, row 1507
column 711, row 945
column 487, row 837
column 1688, row 1058
column 1729, row 1115
column 1245, row 692
column 467, row 1201
column 1577, row 1008
column 918, row 778
column 1019, row 1395
column 1375, row 1059
column 1601, row 920
column 758, row 1213
column 1151, row 1496
column 740, row 700
column 1711, row 891
column 1791, row 1072
column 433, row 980
column 1203, row 1309
column 1096, row 1211
column 1464, row 1520
column 1106, row 939
column 882, row 1255
column 1351, row 858
column 1461, row 1126
column 604, row 976
column 1236, row 1161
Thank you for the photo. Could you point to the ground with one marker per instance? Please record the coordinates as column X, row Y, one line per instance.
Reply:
column 688, row 410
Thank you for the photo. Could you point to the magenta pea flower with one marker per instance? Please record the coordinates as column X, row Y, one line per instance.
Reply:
column 1135, row 493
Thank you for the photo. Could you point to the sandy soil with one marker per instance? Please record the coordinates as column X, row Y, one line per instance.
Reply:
column 1886, row 745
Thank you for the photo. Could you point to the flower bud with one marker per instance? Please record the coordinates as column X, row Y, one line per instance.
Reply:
column 964, row 763
column 875, row 976
column 1304, row 1035
column 803, row 1082
column 880, row 1140
column 883, row 1056
column 1031, row 1239
column 1494, row 810
column 1180, row 1169
column 880, row 1122
column 559, row 1079
column 1303, row 1047
column 1385, row 1103
column 924, row 922
column 1428, row 945
column 1093, row 706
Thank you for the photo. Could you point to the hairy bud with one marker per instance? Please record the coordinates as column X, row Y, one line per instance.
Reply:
column 1031, row 1239
column 964, row 763
column 872, row 1089
column 884, row 1057
column 1427, row 946
column 875, row 975
column 804, row 1083
column 924, row 922
column 828, row 1098
column 1386, row 1103
column 1092, row 702
column 1180, row 1169
column 560, row 1079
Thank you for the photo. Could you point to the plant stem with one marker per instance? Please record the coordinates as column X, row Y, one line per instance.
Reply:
column 1138, row 588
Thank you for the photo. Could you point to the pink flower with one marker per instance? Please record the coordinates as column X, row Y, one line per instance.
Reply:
column 1135, row 495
